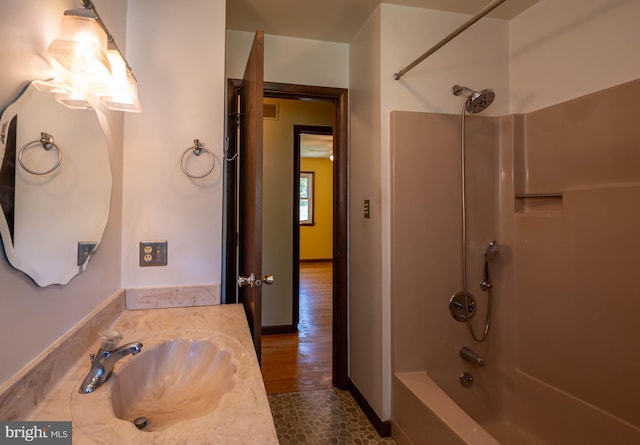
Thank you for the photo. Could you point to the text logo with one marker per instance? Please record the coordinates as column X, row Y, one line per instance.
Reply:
column 40, row 433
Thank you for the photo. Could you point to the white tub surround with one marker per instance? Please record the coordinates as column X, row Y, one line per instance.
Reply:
column 241, row 416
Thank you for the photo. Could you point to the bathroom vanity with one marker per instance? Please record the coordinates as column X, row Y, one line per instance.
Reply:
column 195, row 381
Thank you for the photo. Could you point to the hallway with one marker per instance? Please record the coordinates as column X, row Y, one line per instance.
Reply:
column 302, row 361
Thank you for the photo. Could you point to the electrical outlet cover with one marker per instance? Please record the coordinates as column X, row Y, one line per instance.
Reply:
column 153, row 253
column 86, row 249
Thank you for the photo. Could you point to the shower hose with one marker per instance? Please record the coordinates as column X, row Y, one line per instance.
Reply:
column 487, row 322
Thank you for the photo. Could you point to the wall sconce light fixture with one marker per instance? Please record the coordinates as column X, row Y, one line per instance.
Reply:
column 94, row 66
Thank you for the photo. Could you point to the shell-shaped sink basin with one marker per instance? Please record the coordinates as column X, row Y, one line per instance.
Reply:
column 175, row 381
column 186, row 384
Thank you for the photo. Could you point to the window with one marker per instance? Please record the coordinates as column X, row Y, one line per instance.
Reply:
column 306, row 198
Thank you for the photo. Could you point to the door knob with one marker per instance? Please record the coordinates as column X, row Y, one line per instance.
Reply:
column 251, row 280
column 247, row 281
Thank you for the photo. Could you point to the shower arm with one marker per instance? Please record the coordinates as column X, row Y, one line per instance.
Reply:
column 484, row 11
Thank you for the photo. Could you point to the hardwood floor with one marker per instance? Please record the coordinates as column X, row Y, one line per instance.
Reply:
column 302, row 361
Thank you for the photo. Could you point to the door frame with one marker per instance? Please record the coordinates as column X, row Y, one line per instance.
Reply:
column 339, row 97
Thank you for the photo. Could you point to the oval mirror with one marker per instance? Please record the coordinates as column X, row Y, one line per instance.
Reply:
column 55, row 186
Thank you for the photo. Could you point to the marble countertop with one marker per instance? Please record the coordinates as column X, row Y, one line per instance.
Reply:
column 242, row 416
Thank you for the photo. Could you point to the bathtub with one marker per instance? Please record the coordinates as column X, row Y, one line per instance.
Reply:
column 424, row 414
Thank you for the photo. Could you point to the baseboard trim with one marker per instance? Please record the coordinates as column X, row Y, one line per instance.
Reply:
column 383, row 427
column 283, row 329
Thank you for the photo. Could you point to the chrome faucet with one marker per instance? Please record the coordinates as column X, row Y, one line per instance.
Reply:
column 102, row 362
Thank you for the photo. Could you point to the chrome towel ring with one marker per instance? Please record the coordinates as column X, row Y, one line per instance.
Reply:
column 47, row 143
column 197, row 148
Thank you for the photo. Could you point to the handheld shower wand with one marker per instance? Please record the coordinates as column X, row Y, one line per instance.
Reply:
column 489, row 256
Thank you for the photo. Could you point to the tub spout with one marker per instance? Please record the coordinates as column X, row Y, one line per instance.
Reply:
column 471, row 356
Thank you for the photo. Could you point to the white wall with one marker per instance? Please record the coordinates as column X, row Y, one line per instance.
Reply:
column 366, row 340
column 291, row 60
column 177, row 56
column 477, row 58
column 31, row 318
column 565, row 49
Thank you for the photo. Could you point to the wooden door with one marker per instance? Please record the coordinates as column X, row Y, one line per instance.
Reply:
column 250, row 189
column 238, row 205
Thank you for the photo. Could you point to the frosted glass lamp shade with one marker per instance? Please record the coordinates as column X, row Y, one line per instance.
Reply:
column 51, row 86
column 81, row 46
column 121, row 92
column 73, row 100
column 125, row 99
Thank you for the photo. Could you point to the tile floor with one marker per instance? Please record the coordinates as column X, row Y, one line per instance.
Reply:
column 322, row 417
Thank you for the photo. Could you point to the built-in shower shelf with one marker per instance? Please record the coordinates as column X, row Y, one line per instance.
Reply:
column 538, row 195
column 538, row 202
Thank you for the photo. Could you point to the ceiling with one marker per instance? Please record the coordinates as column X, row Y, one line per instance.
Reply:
column 339, row 20
column 316, row 145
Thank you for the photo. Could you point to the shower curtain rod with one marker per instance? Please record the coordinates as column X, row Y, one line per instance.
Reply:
column 484, row 11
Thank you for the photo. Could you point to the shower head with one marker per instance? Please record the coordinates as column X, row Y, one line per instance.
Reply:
column 492, row 251
column 477, row 101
